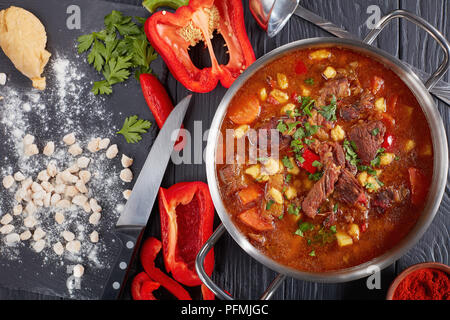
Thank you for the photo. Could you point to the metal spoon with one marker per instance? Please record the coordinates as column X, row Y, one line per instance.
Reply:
column 272, row 16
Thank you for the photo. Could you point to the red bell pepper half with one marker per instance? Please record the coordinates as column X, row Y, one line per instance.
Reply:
column 159, row 103
column 187, row 217
column 171, row 34
column 142, row 287
column 149, row 252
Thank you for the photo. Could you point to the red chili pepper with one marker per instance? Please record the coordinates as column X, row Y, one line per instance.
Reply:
column 310, row 157
column 301, row 68
column 171, row 34
column 207, row 294
column 142, row 287
column 187, row 217
column 149, row 251
column 159, row 103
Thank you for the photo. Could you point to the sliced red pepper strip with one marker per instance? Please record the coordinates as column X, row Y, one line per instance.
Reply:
column 187, row 217
column 159, row 103
column 207, row 294
column 309, row 158
column 149, row 251
column 171, row 34
column 142, row 287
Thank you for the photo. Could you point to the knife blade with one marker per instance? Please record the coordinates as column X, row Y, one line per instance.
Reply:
column 441, row 89
column 134, row 218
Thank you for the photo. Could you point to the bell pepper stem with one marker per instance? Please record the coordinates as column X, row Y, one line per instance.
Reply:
column 152, row 5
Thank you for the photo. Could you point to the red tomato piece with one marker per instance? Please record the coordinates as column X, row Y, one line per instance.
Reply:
column 419, row 186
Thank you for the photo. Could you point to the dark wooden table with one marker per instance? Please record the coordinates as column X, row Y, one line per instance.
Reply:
column 235, row 270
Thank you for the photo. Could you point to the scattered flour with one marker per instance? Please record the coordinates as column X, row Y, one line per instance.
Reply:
column 65, row 106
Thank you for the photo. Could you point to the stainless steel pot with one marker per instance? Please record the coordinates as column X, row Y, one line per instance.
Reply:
column 421, row 92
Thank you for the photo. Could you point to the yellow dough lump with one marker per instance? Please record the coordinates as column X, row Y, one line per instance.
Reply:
column 23, row 40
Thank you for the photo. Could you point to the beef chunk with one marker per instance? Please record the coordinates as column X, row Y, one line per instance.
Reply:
column 358, row 110
column 340, row 88
column 331, row 152
column 264, row 138
column 348, row 190
column 367, row 142
column 320, row 191
column 232, row 180
column 384, row 199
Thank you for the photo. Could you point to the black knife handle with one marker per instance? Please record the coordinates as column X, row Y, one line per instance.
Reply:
column 130, row 238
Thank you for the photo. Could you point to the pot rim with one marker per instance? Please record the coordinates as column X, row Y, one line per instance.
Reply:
column 439, row 172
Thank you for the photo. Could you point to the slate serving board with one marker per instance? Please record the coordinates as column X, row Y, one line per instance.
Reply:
column 235, row 270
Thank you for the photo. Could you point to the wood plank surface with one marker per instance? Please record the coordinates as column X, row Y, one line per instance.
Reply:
column 235, row 270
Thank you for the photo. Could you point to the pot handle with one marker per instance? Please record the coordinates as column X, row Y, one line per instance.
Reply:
column 219, row 292
column 425, row 25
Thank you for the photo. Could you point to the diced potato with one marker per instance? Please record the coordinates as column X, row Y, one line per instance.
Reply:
column 290, row 193
column 308, row 184
column 329, row 73
column 282, row 81
column 379, row 172
column 263, row 94
column 254, row 171
column 410, row 144
column 280, row 96
column 362, row 178
column 372, row 184
column 239, row 132
column 380, row 105
column 276, row 195
column 386, row 159
column 305, row 92
column 320, row 54
column 295, row 169
column 272, row 166
column 427, row 151
column 338, row 134
column 353, row 231
column 289, row 108
column 262, row 178
column 343, row 239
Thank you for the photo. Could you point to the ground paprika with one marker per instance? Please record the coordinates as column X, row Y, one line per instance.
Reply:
column 424, row 284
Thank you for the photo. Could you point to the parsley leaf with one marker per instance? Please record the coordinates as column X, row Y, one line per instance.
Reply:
column 282, row 126
column 269, row 204
column 133, row 127
column 310, row 81
column 117, row 50
column 350, row 154
column 287, row 163
column 304, row 227
column 329, row 112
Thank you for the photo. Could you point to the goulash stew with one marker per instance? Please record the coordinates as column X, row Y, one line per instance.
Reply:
column 346, row 174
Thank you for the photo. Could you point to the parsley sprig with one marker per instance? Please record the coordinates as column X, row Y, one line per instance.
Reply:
column 117, row 50
column 133, row 127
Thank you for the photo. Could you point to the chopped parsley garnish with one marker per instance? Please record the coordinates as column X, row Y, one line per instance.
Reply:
column 288, row 178
column 292, row 209
column 292, row 126
column 310, row 130
column 316, row 164
column 287, row 163
column 375, row 132
column 306, row 104
column 297, row 146
column 312, row 253
column 269, row 204
column 350, row 154
column 329, row 112
column 333, row 229
column 282, row 126
column 304, row 227
column 335, row 208
column 310, row 81
column 300, row 159
column 376, row 162
column 315, row 176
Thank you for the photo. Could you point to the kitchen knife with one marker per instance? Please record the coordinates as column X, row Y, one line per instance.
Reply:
column 134, row 218
column 440, row 90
